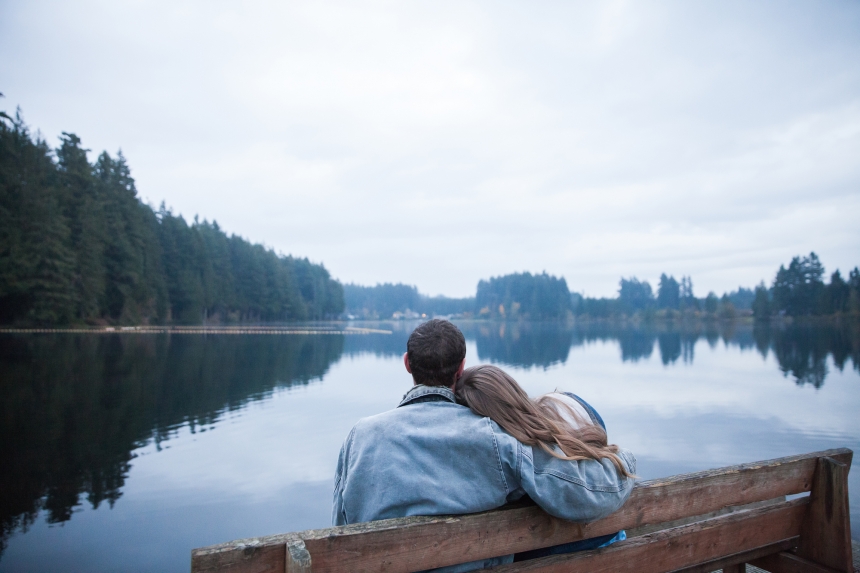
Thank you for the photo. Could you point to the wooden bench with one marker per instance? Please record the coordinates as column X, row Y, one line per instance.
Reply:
column 696, row 522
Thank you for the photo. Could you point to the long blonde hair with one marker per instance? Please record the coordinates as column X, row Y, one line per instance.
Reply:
column 489, row 391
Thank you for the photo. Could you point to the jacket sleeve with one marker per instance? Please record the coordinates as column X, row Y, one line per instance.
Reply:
column 338, row 513
column 580, row 491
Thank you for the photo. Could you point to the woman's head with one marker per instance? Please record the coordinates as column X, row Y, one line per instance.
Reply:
column 491, row 392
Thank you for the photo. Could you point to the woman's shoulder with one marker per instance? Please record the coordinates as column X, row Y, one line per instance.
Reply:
column 591, row 413
column 564, row 403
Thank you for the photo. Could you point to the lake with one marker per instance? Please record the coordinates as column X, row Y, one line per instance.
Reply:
column 125, row 451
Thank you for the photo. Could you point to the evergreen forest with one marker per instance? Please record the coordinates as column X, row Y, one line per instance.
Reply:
column 797, row 291
column 78, row 246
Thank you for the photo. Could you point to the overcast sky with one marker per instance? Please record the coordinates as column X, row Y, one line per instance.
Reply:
column 438, row 143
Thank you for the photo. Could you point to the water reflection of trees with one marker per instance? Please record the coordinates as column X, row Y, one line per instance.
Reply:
column 523, row 344
column 800, row 350
column 75, row 407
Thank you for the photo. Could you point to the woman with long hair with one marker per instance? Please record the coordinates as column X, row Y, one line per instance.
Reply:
column 560, row 424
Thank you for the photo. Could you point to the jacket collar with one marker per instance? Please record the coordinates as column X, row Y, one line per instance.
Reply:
column 420, row 390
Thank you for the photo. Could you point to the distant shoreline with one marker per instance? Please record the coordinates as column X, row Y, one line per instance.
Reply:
column 345, row 326
column 273, row 330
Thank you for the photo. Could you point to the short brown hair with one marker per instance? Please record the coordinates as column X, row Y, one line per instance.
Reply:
column 435, row 350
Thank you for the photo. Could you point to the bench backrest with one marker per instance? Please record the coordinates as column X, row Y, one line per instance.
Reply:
column 699, row 521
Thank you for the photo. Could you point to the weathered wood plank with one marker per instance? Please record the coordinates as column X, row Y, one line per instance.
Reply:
column 740, row 558
column 256, row 555
column 826, row 535
column 646, row 529
column 680, row 547
column 789, row 563
column 298, row 560
column 479, row 536
column 406, row 544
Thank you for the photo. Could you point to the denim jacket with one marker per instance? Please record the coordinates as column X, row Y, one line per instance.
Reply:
column 432, row 456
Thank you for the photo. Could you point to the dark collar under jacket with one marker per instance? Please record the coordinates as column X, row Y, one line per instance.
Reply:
column 421, row 393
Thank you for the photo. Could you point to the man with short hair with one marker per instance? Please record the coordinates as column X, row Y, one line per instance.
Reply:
column 433, row 456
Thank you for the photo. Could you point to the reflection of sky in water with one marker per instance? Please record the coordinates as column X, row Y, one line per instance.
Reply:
column 267, row 467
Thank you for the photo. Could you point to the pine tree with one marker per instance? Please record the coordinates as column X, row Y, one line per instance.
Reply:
column 36, row 265
column 83, row 209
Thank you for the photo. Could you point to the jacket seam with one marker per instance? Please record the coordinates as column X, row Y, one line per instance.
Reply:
column 498, row 455
column 583, row 484
column 577, row 481
column 340, row 481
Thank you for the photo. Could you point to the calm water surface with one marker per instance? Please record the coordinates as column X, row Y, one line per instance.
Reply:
column 124, row 452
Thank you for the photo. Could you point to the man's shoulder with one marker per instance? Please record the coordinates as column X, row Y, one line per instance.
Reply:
column 428, row 422
column 412, row 412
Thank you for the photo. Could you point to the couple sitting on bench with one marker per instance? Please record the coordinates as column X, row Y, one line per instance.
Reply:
column 471, row 440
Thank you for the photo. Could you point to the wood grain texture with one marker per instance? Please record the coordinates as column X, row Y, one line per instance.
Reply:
column 680, row 547
column 257, row 555
column 297, row 558
column 826, row 535
column 742, row 557
column 479, row 536
column 789, row 563
column 407, row 544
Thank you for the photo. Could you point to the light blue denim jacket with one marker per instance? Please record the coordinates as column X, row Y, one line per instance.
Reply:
column 432, row 456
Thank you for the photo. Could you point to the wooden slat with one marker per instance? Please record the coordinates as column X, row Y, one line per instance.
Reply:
column 256, row 555
column 826, row 535
column 406, row 544
column 738, row 559
column 479, row 536
column 297, row 558
column 789, row 563
column 680, row 547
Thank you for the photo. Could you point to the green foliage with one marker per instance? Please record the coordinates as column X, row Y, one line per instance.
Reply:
column 668, row 292
column 634, row 295
column 688, row 300
column 711, row 303
column 727, row 309
column 742, row 298
column 798, row 289
column 383, row 300
column 37, row 263
column 380, row 301
column 78, row 245
column 761, row 302
column 523, row 295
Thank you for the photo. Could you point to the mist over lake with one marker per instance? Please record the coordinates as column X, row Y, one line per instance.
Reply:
column 125, row 451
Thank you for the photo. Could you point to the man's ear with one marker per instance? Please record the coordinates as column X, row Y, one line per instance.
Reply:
column 406, row 362
column 458, row 374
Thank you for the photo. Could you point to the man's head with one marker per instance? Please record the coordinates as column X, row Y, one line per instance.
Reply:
column 435, row 353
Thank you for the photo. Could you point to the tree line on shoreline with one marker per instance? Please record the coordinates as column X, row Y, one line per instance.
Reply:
column 797, row 291
column 77, row 245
